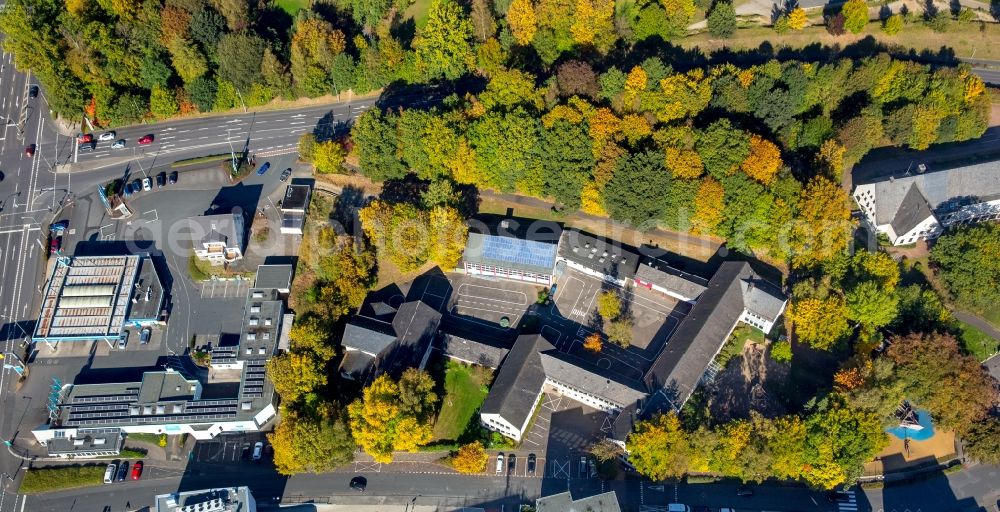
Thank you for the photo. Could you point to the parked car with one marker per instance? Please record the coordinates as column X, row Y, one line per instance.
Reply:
column 127, row 190
column 746, row 492
column 583, row 467
column 29, row 151
column 161, row 179
column 122, row 340
column 123, row 471
column 359, row 483
column 55, row 245
column 173, row 178
column 144, row 335
column 137, row 470
column 59, row 227
column 532, row 460
column 33, row 91
column 678, row 507
column 109, row 473
column 147, row 184
column 119, row 144
column 262, row 169
column 86, row 137
column 107, row 136
column 87, row 146
column 838, row 496
column 146, row 139
column 499, row 463
column 285, row 174
column 258, row 449
column 136, row 185
column 511, row 463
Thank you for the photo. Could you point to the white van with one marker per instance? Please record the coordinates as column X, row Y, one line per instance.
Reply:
column 109, row 474
column 499, row 463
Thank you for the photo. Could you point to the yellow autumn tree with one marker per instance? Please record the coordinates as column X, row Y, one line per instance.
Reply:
column 380, row 426
column 684, row 163
column 591, row 200
column 603, row 125
column 295, row 374
column 708, row 206
column 823, row 224
column 448, row 236
column 635, row 82
column 593, row 23
column 522, row 20
column 820, row 323
column 830, row 158
column 974, row 87
column 634, row 128
column 593, row 343
column 797, row 19
column 470, row 458
column 764, row 160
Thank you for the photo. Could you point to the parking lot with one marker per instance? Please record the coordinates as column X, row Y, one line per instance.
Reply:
column 228, row 448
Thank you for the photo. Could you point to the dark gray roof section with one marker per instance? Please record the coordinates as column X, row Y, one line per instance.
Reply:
column 147, row 296
column 582, row 375
column 278, row 277
column 519, row 380
column 680, row 364
column 166, row 386
column 599, row 254
column 356, row 363
column 476, row 352
column 296, row 197
column 395, row 345
column 659, row 273
column 88, row 442
column 564, row 502
column 762, row 297
column 368, row 335
column 220, row 228
column 912, row 211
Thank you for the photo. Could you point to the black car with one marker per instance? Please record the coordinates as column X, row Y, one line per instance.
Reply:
column 359, row 483
column 173, row 178
column 122, row 471
column 285, row 174
column 511, row 463
column 838, row 496
column 136, row 185
column 33, row 91
column 88, row 146
column 531, row 463
column 744, row 491
column 161, row 179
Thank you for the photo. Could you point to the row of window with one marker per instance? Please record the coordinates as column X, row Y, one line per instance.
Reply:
column 506, row 272
column 587, row 398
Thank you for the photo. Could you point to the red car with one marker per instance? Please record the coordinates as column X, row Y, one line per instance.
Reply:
column 55, row 245
column 146, row 139
column 29, row 151
column 86, row 138
column 137, row 470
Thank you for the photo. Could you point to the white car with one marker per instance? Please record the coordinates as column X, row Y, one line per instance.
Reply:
column 147, row 184
column 499, row 463
column 258, row 448
column 119, row 144
column 109, row 474
column 107, row 136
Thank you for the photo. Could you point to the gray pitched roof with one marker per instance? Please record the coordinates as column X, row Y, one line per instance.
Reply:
column 368, row 335
column 519, row 380
column 582, row 375
column 762, row 297
column 399, row 344
column 699, row 337
column 215, row 228
column 661, row 274
column 912, row 211
column 975, row 182
column 564, row 502
column 476, row 352
column 600, row 254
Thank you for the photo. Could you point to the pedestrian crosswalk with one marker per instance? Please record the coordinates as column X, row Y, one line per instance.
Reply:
column 849, row 504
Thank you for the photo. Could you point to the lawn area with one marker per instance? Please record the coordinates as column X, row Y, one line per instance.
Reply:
column 418, row 11
column 464, row 391
column 66, row 477
column 977, row 342
column 964, row 38
column 292, row 6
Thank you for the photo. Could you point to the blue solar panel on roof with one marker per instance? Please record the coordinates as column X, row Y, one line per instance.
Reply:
column 523, row 252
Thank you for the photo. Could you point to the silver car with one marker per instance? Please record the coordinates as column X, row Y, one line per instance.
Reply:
column 118, row 144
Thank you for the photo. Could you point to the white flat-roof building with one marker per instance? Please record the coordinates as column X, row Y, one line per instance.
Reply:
column 226, row 499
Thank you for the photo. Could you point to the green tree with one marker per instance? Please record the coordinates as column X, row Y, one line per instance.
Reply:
column 162, row 102
column 239, row 57
column 202, row 92
column 619, row 331
column 967, row 263
column 310, row 334
column 416, row 394
column 855, row 15
column 636, row 192
column 303, row 444
column 307, row 146
column 872, row 305
column 722, row 19
column 236, row 12
column 893, row 24
column 839, row 441
column 207, row 27
column 374, row 136
column 187, row 60
column 443, row 45
column 568, row 162
column 982, row 441
column 722, row 148
column 315, row 43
